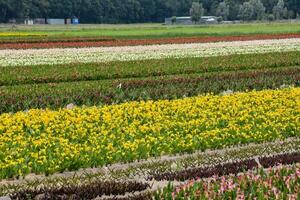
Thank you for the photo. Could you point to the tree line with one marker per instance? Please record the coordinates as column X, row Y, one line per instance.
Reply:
column 140, row 11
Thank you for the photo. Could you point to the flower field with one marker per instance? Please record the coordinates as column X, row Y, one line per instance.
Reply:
column 127, row 53
column 273, row 183
column 73, row 138
column 14, row 34
column 210, row 117
column 102, row 41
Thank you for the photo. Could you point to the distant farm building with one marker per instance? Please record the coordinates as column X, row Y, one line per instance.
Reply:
column 39, row 21
column 56, row 21
column 188, row 20
column 51, row 21
column 28, row 21
column 63, row 21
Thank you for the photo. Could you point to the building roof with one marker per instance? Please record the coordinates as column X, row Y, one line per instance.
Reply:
column 188, row 18
column 183, row 17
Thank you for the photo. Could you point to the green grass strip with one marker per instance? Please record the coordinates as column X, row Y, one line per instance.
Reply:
column 144, row 31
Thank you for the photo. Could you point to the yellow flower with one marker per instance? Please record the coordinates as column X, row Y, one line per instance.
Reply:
column 55, row 140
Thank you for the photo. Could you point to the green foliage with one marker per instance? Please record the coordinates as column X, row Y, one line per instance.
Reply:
column 126, row 11
column 258, row 9
column 223, row 11
column 173, row 19
column 246, row 11
column 142, row 31
column 220, row 19
column 271, row 17
column 139, row 69
column 108, row 92
column 196, row 11
column 252, row 10
column 279, row 10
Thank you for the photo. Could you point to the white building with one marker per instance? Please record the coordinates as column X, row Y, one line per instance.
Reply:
column 188, row 20
column 28, row 21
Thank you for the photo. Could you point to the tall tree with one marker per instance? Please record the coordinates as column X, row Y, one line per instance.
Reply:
column 129, row 11
column 234, row 7
column 223, row 10
column 269, row 4
column 4, row 7
column 246, row 11
column 196, row 11
column 278, row 10
column 258, row 9
column 293, row 5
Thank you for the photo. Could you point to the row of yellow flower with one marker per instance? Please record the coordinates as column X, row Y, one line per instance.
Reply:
column 19, row 34
column 46, row 141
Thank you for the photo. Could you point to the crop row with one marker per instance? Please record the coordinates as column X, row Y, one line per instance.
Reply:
column 45, row 39
column 94, row 42
column 16, row 34
column 150, row 167
column 45, row 141
column 89, row 93
column 274, row 183
column 126, row 53
column 229, row 167
column 92, row 189
column 83, row 191
column 149, row 68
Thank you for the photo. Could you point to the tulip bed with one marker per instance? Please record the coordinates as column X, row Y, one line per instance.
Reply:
column 136, row 53
column 56, row 95
column 141, row 69
column 45, row 141
column 20, row 34
column 273, row 183
column 159, row 167
column 107, row 41
column 189, row 109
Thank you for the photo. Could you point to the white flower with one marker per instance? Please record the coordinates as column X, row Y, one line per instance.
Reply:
column 107, row 54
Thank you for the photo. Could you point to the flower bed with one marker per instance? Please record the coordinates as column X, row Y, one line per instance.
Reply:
column 229, row 168
column 140, row 170
column 126, row 53
column 79, row 183
column 274, row 183
column 90, row 93
column 143, row 69
column 90, row 190
column 16, row 34
column 53, row 40
column 95, row 42
column 45, row 141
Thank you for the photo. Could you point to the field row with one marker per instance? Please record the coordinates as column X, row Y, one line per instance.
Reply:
column 88, row 185
column 76, row 183
column 141, row 114
column 146, row 68
column 89, row 93
column 145, row 169
column 126, row 53
column 44, row 39
column 232, row 167
column 45, row 141
column 16, row 34
column 102, row 41
column 146, row 31
column 218, row 186
column 274, row 183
